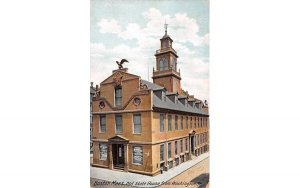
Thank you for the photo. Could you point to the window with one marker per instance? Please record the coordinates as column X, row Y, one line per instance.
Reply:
column 137, row 155
column 103, row 151
column 186, row 122
column 118, row 120
column 181, row 123
column 162, row 122
column 191, row 122
column 195, row 126
column 176, row 122
column 169, row 122
column 169, row 150
column 137, row 124
column 181, row 146
column 198, row 122
column 118, row 96
column 201, row 122
column 186, row 144
column 163, row 64
column 161, row 152
column 102, row 124
column 176, row 148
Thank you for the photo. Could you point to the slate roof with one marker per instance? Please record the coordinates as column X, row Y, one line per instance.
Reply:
column 151, row 85
column 167, row 103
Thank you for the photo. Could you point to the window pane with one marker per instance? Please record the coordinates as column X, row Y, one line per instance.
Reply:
column 161, row 152
column 162, row 125
column 103, row 151
column 118, row 124
column 102, row 124
column 137, row 119
column 176, row 122
column 137, row 123
column 118, row 92
column 169, row 150
column 169, row 123
column 181, row 123
column 118, row 96
column 138, row 155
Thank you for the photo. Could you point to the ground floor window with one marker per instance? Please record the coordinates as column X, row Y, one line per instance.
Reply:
column 103, row 151
column 137, row 155
column 161, row 152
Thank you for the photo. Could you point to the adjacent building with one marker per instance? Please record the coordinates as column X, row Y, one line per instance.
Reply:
column 145, row 127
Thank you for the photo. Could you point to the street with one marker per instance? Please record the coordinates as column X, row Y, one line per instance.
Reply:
column 196, row 176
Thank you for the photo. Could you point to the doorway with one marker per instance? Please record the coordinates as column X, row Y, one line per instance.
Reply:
column 192, row 145
column 118, row 155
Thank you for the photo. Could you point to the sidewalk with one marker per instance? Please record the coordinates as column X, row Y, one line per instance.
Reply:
column 126, row 177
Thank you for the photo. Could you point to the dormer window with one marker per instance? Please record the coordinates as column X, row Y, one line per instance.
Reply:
column 118, row 97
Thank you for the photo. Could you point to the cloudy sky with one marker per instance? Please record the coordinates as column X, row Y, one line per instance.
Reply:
column 131, row 29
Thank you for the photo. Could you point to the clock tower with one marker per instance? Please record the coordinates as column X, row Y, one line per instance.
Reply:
column 166, row 74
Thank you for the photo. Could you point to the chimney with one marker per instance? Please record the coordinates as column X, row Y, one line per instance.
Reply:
column 96, row 87
column 92, row 84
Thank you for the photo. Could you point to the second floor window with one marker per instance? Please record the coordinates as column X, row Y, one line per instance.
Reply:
column 102, row 124
column 169, row 122
column 137, row 123
column 181, row 123
column 176, row 122
column 118, row 96
column 162, row 122
column 186, row 122
column 118, row 120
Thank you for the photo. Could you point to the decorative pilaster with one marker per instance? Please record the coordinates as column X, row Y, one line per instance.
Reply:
column 190, row 147
column 96, row 153
column 126, row 157
column 110, row 157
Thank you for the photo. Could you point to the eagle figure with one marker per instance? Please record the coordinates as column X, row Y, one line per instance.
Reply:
column 120, row 64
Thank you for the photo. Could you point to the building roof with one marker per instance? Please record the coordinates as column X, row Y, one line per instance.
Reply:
column 151, row 86
column 168, row 104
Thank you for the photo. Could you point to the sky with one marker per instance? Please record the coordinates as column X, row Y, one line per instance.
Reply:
column 132, row 29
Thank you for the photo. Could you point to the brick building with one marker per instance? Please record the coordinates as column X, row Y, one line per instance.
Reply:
column 145, row 127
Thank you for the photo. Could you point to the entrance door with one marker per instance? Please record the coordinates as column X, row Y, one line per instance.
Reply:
column 118, row 155
column 192, row 145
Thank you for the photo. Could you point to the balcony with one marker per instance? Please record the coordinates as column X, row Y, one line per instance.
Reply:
column 165, row 72
column 166, row 50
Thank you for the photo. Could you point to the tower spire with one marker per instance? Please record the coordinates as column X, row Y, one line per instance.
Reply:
column 166, row 28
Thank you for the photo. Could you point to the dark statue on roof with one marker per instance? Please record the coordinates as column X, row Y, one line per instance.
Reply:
column 120, row 64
